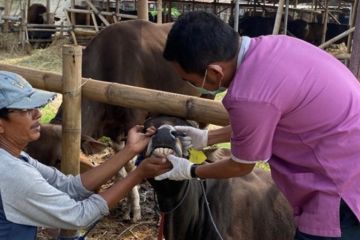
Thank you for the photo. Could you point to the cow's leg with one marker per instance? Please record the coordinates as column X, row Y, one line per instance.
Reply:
column 133, row 199
column 126, row 216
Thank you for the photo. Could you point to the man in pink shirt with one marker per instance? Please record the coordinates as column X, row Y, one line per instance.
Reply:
column 291, row 105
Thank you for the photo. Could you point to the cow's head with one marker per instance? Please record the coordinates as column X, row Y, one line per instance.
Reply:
column 166, row 140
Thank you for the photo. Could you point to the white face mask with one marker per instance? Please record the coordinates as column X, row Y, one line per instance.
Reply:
column 203, row 90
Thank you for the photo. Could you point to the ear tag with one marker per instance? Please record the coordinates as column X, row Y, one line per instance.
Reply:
column 196, row 156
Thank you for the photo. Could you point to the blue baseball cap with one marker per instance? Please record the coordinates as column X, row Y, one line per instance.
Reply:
column 17, row 93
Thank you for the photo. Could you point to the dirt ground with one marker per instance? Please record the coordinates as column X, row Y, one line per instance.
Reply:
column 111, row 227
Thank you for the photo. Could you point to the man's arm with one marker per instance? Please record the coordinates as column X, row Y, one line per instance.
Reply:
column 223, row 169
column 219, row 135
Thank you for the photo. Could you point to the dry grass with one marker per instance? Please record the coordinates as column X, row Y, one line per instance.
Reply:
column 47, row 59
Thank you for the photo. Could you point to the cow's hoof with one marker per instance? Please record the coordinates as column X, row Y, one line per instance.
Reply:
column 136, row 215
column 126, row 217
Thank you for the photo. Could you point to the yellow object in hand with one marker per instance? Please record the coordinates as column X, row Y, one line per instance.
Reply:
column 196, row 156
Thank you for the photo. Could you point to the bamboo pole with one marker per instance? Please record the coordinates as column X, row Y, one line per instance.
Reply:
column 353, row 14
column 71, row 90
column 189, row 107
column 338, row 37
column 325, row 21
column 279, row 13
column 71, row 124
column 355, row 53
column 159, row 10
column 7, row 11
column 98, row 13
column 143, row 9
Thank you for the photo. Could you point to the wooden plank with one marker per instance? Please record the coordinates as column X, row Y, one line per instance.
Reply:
column 189, row 107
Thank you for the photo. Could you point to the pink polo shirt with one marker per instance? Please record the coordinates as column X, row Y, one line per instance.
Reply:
column 298, row 106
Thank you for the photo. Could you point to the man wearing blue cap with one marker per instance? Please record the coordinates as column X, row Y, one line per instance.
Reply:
column 33, row 194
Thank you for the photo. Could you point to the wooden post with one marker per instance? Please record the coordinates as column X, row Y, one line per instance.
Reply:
column 355, row 54
column 88, row 17
column 71, row 125
column 143, row 9
column 48, row 20
column 72, row 56
column 72, row 15
column 97, row 12
column 325, row 21
column 286, row 17
column 7, row 11
column 353, row 14
column 279, row 13
column 159, row 11
column 94, row 21
column 72, row 25
column 236, row 16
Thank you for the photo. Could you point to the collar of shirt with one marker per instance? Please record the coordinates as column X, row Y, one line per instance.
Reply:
column 245, row 43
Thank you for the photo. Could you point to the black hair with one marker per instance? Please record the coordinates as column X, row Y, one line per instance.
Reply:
column 4, row 113
column 198, row 39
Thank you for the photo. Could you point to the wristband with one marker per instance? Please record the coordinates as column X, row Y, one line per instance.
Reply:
column 192, row 170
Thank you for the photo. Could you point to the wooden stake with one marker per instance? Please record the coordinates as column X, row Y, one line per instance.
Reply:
column 143, row 9
column 71, row 125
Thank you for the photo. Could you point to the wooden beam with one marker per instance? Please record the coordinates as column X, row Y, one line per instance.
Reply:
column 189, row 107
column 338, row 37
column 355, row 53
column 98, row 13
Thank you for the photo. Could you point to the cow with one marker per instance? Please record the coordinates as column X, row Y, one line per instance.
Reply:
column 37, row 14
column 243, row 208
column 128, row 52
column 254, row 26
column 47, row 149
column 333, row 29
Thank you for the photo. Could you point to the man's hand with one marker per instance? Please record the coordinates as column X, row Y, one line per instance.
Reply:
column 153, row 166
column 180, row 171
column 199, row 138
column 137, row 140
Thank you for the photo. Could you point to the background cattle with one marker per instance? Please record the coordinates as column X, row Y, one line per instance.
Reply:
column 47, row 149
column 254, row 26
column 37, row 15
column 244, row 208
column 128, row 52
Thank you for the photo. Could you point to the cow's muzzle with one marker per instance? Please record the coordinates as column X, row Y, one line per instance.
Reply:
column 164, row 142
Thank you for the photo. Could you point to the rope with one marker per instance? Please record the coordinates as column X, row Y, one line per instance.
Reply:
column 208, row 209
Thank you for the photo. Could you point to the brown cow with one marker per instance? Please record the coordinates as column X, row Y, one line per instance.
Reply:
column 47, row 149
column 128, row 52
column 243, row 208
